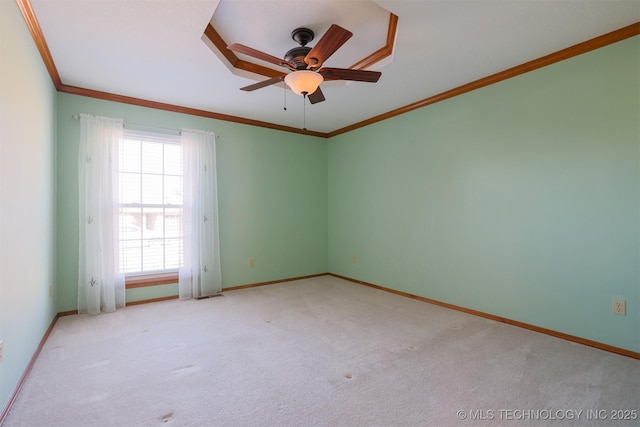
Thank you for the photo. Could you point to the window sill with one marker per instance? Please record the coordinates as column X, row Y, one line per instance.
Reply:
column 142, row 281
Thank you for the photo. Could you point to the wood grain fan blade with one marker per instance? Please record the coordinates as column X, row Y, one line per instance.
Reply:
column 263, row 83
column 240, row 48
column 349, row 74
column 316, row 96
column 331, row 41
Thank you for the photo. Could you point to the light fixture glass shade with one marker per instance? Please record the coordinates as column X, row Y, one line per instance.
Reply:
column 303, row 81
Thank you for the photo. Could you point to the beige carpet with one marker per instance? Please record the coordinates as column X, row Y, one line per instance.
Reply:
column 317, row 352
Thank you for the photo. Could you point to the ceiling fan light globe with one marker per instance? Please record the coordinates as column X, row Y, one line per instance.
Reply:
column 303, row 81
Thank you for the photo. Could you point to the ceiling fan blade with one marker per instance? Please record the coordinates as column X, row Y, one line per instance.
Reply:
column 331, row 41
column 316, row 96
column 263, row 83
column 349, row 74
column 240, row 48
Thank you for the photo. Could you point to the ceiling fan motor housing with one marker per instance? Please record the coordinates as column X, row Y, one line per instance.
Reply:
column 296, row 56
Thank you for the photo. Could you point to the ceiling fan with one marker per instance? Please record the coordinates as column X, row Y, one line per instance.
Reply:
column 306, row 62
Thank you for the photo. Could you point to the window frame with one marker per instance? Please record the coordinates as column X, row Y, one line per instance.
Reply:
column 150, row 277
column 142, row 280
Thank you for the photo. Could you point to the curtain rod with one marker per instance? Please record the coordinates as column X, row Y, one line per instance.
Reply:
column 178, row 131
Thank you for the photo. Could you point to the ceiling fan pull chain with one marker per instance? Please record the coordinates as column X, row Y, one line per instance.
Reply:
column 304, row 110
column 284, row 86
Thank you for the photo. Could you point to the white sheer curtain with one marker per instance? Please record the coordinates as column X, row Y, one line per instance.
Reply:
column 200, row 274
column 100, row 286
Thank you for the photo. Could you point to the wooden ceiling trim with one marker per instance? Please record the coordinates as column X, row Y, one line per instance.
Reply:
column 215, row 38
column 74, row 90
column 219, row 43
column 578, row 49
column 575, row 50
column 36, row 33
column 383, row 52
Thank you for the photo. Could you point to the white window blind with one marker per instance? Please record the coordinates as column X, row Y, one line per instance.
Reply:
column 151, row 205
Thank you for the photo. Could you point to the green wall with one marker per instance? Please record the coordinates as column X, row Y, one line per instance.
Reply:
column 520, row 199
column 27, row 197
column 272, row 189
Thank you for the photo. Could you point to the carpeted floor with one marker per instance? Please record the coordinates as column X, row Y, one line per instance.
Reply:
column 317, row 352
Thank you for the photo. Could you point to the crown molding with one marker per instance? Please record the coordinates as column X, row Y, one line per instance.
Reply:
column 561, row 55
column 385, row 51
column 74, row 90
column 36, row 32
column 575, row 50
column 221, row 45
column 218, row 42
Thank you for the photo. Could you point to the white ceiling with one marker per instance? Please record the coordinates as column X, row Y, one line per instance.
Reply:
column 154, row 49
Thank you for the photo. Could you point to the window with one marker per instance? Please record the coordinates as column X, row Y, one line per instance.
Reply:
column 150, row 204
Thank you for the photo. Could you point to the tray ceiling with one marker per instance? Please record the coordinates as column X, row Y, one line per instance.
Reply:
column 157, row 50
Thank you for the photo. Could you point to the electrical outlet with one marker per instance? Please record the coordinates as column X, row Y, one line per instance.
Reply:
column 619, row 306
column 354, row 259
column 250, row 262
